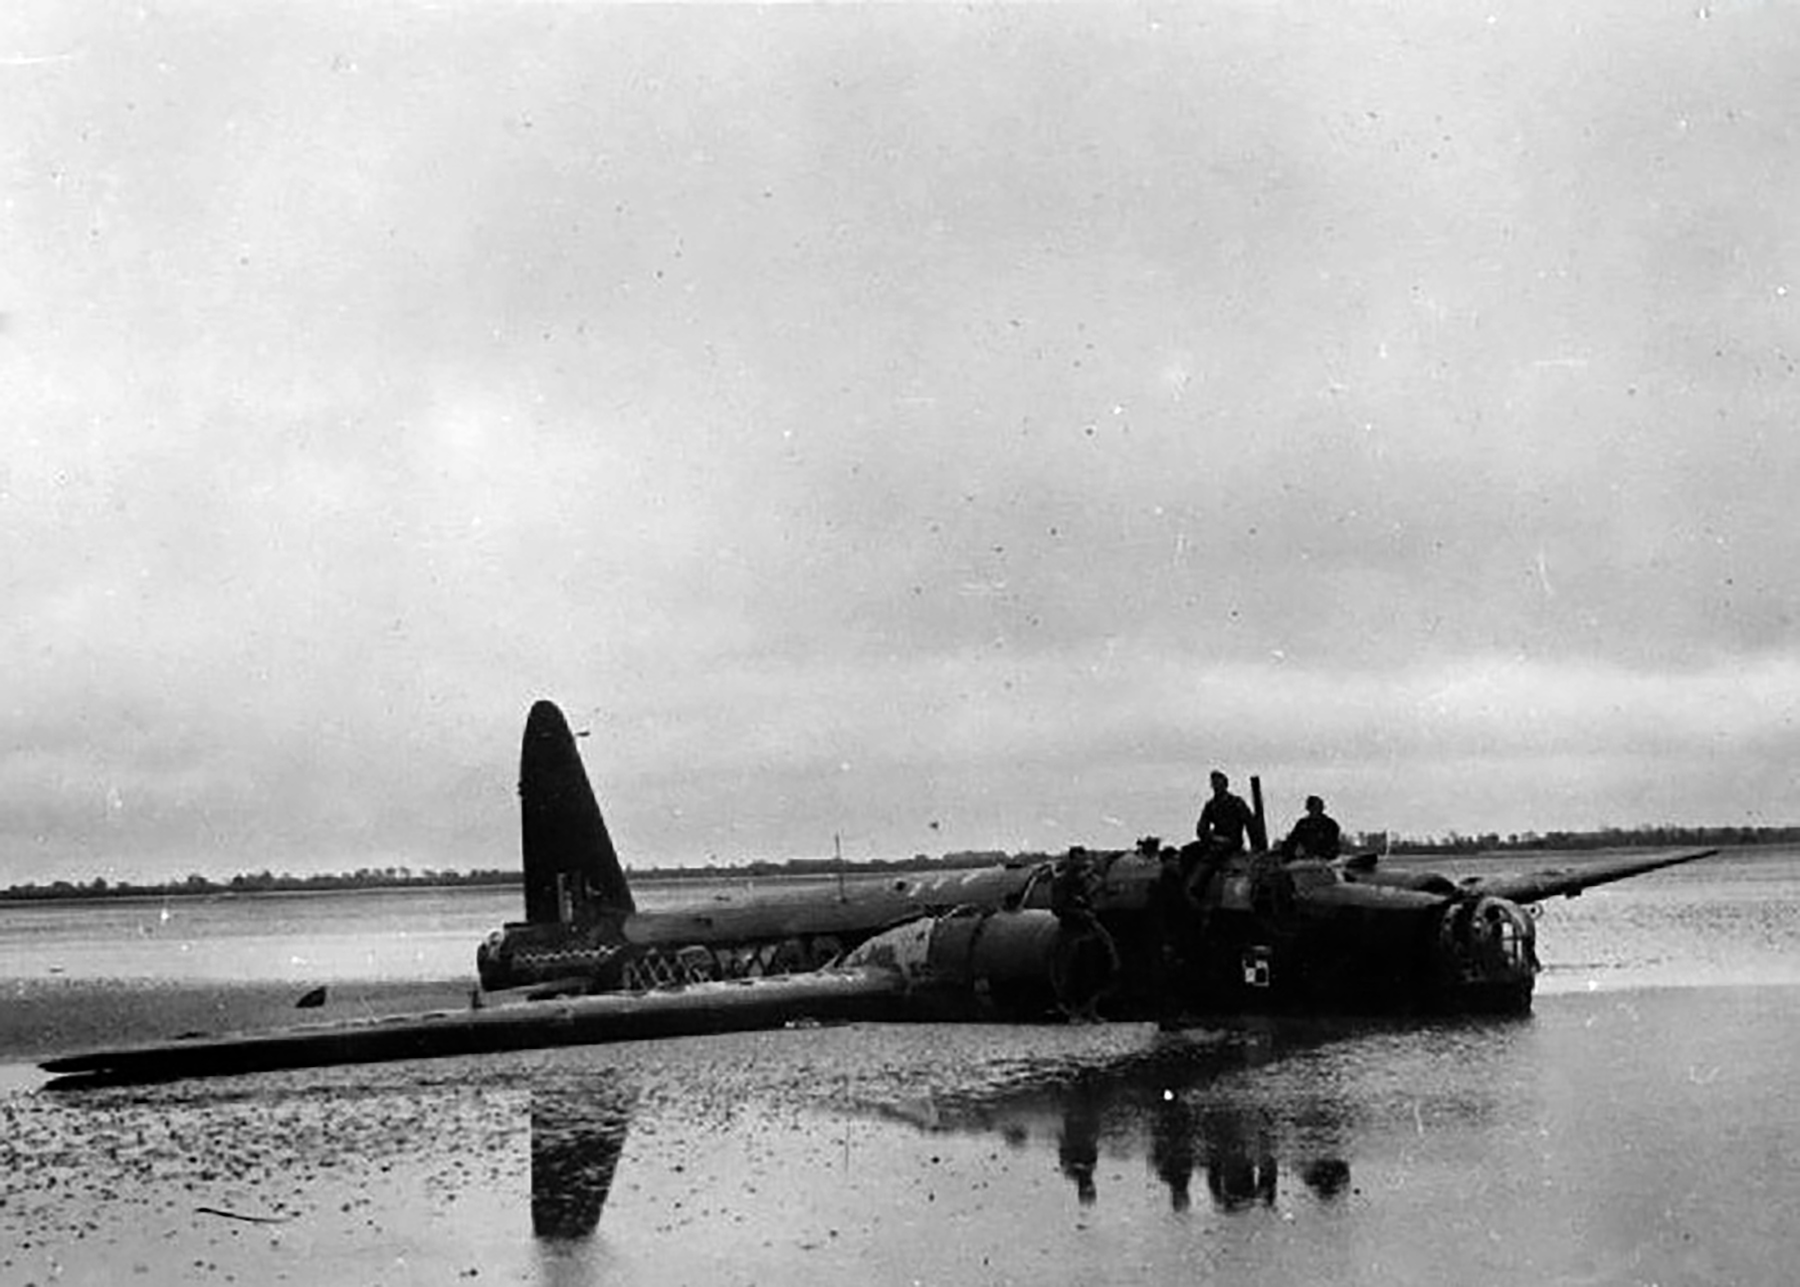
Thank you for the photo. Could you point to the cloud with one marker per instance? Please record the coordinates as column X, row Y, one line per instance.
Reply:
column 984, row 400
column 1036, row 750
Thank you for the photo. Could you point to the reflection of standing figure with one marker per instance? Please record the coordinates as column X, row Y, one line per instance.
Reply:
column 1172, row 1148
column 1078, row 1147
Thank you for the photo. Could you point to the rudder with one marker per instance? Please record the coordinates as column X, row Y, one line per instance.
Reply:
column 572, row 871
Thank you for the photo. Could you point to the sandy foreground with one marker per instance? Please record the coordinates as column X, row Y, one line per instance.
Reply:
column 1640, row 1136
column 1637, row 1136
column 727, row 1167
column 1636, row 1129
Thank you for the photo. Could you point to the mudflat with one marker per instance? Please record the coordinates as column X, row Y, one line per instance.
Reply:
column 1636, row 1127
column 1613, row 1136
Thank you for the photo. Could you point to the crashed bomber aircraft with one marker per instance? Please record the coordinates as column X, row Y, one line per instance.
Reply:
column 1164, row 934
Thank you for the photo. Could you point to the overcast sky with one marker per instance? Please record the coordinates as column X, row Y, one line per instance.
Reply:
column 950, row 428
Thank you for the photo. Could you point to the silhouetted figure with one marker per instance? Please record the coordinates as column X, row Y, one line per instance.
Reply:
column 1224, row 819
column 1176, row 921
column 1087, row 962
column 1072, row 889
column 1316, row 835
column 1169, row 900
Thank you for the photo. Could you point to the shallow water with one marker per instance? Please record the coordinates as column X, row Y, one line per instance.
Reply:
column 391, row 935
column 1734, row 918
column 1636, row 1128
column 1622, row 1137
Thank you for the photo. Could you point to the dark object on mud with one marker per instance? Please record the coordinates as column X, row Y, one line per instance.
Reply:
column 239, row 1215
column 312, row 1000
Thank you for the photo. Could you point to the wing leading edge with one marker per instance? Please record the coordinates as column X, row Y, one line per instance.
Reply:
column 827, row 995
column 1532, row 887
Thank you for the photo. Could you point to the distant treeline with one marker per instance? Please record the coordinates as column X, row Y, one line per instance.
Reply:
column 264, row 882
column 1662, row 837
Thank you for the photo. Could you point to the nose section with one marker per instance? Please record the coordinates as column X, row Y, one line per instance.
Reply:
column 1505, row 940
column 1487, row 954
column 489, row 963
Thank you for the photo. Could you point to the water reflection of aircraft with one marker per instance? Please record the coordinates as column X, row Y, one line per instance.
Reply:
column 577, row 1136
column 1184, row 1106
column 1155, row 932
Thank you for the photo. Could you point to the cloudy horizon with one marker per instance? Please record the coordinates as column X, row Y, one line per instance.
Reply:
column 946, row 429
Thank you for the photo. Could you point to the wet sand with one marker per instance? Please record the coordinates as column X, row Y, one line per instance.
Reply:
column 1617, row 1136
column 1636, row 1129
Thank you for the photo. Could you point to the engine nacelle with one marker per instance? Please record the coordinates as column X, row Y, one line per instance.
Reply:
column 1002, row 964
column 1489, row 944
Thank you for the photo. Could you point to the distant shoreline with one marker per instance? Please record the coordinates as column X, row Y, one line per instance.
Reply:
column 1452, row 846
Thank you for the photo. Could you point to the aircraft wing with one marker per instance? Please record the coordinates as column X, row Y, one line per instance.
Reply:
column 1532, row 887
column 731, row 1006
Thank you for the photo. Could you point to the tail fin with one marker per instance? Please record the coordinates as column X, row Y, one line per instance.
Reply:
column 571, row 868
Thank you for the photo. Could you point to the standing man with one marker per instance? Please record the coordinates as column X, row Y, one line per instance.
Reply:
column 1315, row 836
column 1086, row 961
column 1072, row 888
column 1224, row 819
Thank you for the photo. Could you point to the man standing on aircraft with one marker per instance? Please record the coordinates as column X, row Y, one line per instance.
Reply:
column 1224, row 819
column 1314, row 836
column 1072, row 888
column 1087, row 961
column 1175, row 920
